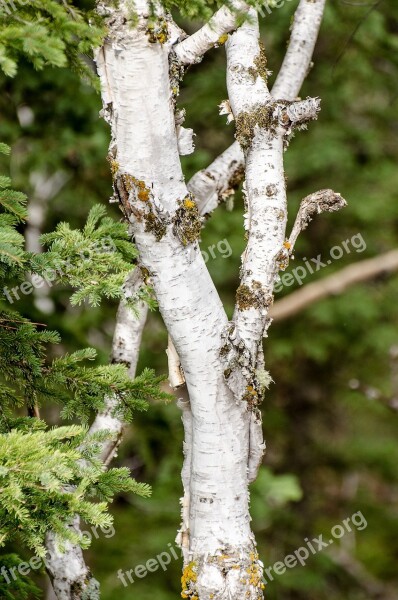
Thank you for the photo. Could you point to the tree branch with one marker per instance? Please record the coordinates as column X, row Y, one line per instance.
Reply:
column 297, row 61
column 212, row 185
column 319, row 202
column 68, row 571
column 191, row 49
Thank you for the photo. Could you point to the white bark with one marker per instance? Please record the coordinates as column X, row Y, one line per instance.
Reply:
column 223, row 440
column 191, row 49
column 136, row 95
column 212, row 185
column 297, row 61
column 263, row 127
column 125, row 349
column 70, row 577
column 176, row 374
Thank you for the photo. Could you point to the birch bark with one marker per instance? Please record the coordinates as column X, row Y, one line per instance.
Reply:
column 139, row 66
column 148, row 180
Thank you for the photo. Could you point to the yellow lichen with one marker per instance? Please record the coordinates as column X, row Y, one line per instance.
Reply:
column 114, row 166
column 222, row 39
column 158, row 31
column 189, row 203
column 188, row 580
column 143, row 195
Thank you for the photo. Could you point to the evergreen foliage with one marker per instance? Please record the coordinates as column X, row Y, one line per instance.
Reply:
column 48, row 476
column 20, row 588
column 95, row 260
column 47, row 32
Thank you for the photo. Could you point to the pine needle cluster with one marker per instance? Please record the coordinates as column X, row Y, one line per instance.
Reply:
column 47, row 476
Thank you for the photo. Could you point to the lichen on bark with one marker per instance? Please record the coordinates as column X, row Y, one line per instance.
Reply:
column 187, row 223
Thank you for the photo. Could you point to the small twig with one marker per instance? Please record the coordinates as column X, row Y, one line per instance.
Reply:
column 319, row 202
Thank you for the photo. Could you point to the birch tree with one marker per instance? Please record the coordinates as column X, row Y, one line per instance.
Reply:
column 141, row 64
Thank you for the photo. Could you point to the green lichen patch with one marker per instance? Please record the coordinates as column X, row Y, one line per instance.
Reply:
column 187, row 222
column 154, row 224
column 260, row 62
column 263, row 116
column 158, row 31
column 260, row 65
column 246, row 379
column 254, row 296
column 176, row 73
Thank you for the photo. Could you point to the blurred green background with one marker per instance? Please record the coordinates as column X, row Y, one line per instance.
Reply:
column 331, row 451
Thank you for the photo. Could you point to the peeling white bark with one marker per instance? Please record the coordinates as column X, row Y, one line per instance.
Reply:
column 176, row 374
column 263, row 126
column 223, row 439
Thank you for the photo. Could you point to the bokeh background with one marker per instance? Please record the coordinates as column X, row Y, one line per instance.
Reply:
column 332, row 451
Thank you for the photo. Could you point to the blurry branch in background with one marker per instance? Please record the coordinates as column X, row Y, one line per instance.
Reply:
column 45, row 188
column 334, row 284
column 374, row 588
column 372, row 393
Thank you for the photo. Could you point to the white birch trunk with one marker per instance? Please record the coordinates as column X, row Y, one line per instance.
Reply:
column 223, row 364
column 137, row 99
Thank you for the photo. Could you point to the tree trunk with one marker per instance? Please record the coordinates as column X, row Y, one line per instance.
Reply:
column 219, row 548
